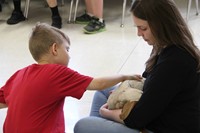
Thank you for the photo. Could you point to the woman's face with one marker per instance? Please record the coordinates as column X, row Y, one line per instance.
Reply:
column 144, row 30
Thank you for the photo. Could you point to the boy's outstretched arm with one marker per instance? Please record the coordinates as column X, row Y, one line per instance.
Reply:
column 3, row 105
column 106, row 82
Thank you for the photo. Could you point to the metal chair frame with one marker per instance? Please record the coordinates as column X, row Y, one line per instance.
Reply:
column 75, row 11
column 189, row 7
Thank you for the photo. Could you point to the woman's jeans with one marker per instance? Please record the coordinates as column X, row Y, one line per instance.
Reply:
column 95, row 123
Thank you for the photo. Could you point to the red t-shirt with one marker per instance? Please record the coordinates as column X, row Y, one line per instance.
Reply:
column 35, row 98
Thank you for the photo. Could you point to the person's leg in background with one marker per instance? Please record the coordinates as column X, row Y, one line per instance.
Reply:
column 56, row 19
column 93, row 17
column 17, row 15
column 87, row 16
column 97, row 23
column 97, row 9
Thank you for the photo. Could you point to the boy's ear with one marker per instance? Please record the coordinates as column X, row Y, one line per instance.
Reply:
column 54, row 49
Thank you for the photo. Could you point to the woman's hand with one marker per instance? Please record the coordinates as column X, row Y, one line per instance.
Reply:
column 110, row 114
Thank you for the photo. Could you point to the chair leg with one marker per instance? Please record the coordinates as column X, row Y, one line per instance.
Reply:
column 188, row 9
column 0, row 7
column 27, row 4
column 123, row 13
column 197, row 7
column 70, row 11
column 62, row 2
column 75, row 11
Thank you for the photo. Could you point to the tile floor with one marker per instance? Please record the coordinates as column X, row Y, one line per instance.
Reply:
column 117, row 50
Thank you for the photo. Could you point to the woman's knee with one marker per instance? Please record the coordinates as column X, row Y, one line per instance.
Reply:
column 105, row 93
column 80, row 126
column 85, row 125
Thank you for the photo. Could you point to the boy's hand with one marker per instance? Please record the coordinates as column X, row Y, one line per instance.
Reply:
column 134, row 77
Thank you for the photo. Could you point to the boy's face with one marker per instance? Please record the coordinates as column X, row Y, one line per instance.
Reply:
column 63, row 54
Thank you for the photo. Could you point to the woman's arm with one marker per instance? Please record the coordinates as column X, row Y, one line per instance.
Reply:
column 111, row 114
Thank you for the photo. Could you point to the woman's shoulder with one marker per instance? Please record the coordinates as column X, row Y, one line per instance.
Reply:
column 178, row 55
column 176, row 52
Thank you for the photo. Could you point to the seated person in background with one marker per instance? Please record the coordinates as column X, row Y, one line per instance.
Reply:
column 35, row 95
column 93, row 17
column 17, row 15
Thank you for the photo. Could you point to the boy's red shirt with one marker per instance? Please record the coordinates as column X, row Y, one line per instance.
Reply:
column 35, row 97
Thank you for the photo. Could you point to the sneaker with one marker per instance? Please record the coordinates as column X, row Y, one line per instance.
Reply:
column 16, row 17
column 94, row 26
column 83, row 19
column 57, row 22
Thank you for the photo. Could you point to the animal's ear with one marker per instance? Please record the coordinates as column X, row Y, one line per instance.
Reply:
column 127, row 109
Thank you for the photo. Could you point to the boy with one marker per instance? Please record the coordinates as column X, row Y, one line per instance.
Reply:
column 35, row 94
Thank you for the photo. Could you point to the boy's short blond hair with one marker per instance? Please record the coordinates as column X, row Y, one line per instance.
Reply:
column 43, row 36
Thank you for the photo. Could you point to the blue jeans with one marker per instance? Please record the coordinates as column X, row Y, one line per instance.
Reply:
column 95, row 123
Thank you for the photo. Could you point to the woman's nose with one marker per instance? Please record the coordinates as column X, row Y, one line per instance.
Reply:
column 139, row 33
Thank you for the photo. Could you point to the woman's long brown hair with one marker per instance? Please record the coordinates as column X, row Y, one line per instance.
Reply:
column 167, row 26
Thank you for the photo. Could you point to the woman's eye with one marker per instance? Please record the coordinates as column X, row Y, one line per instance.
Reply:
column 143, row 29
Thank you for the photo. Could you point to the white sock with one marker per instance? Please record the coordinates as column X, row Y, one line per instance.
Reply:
column 101, row 20
column 90, row 14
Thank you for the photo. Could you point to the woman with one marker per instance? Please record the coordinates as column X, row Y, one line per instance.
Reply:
column 170, row 102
